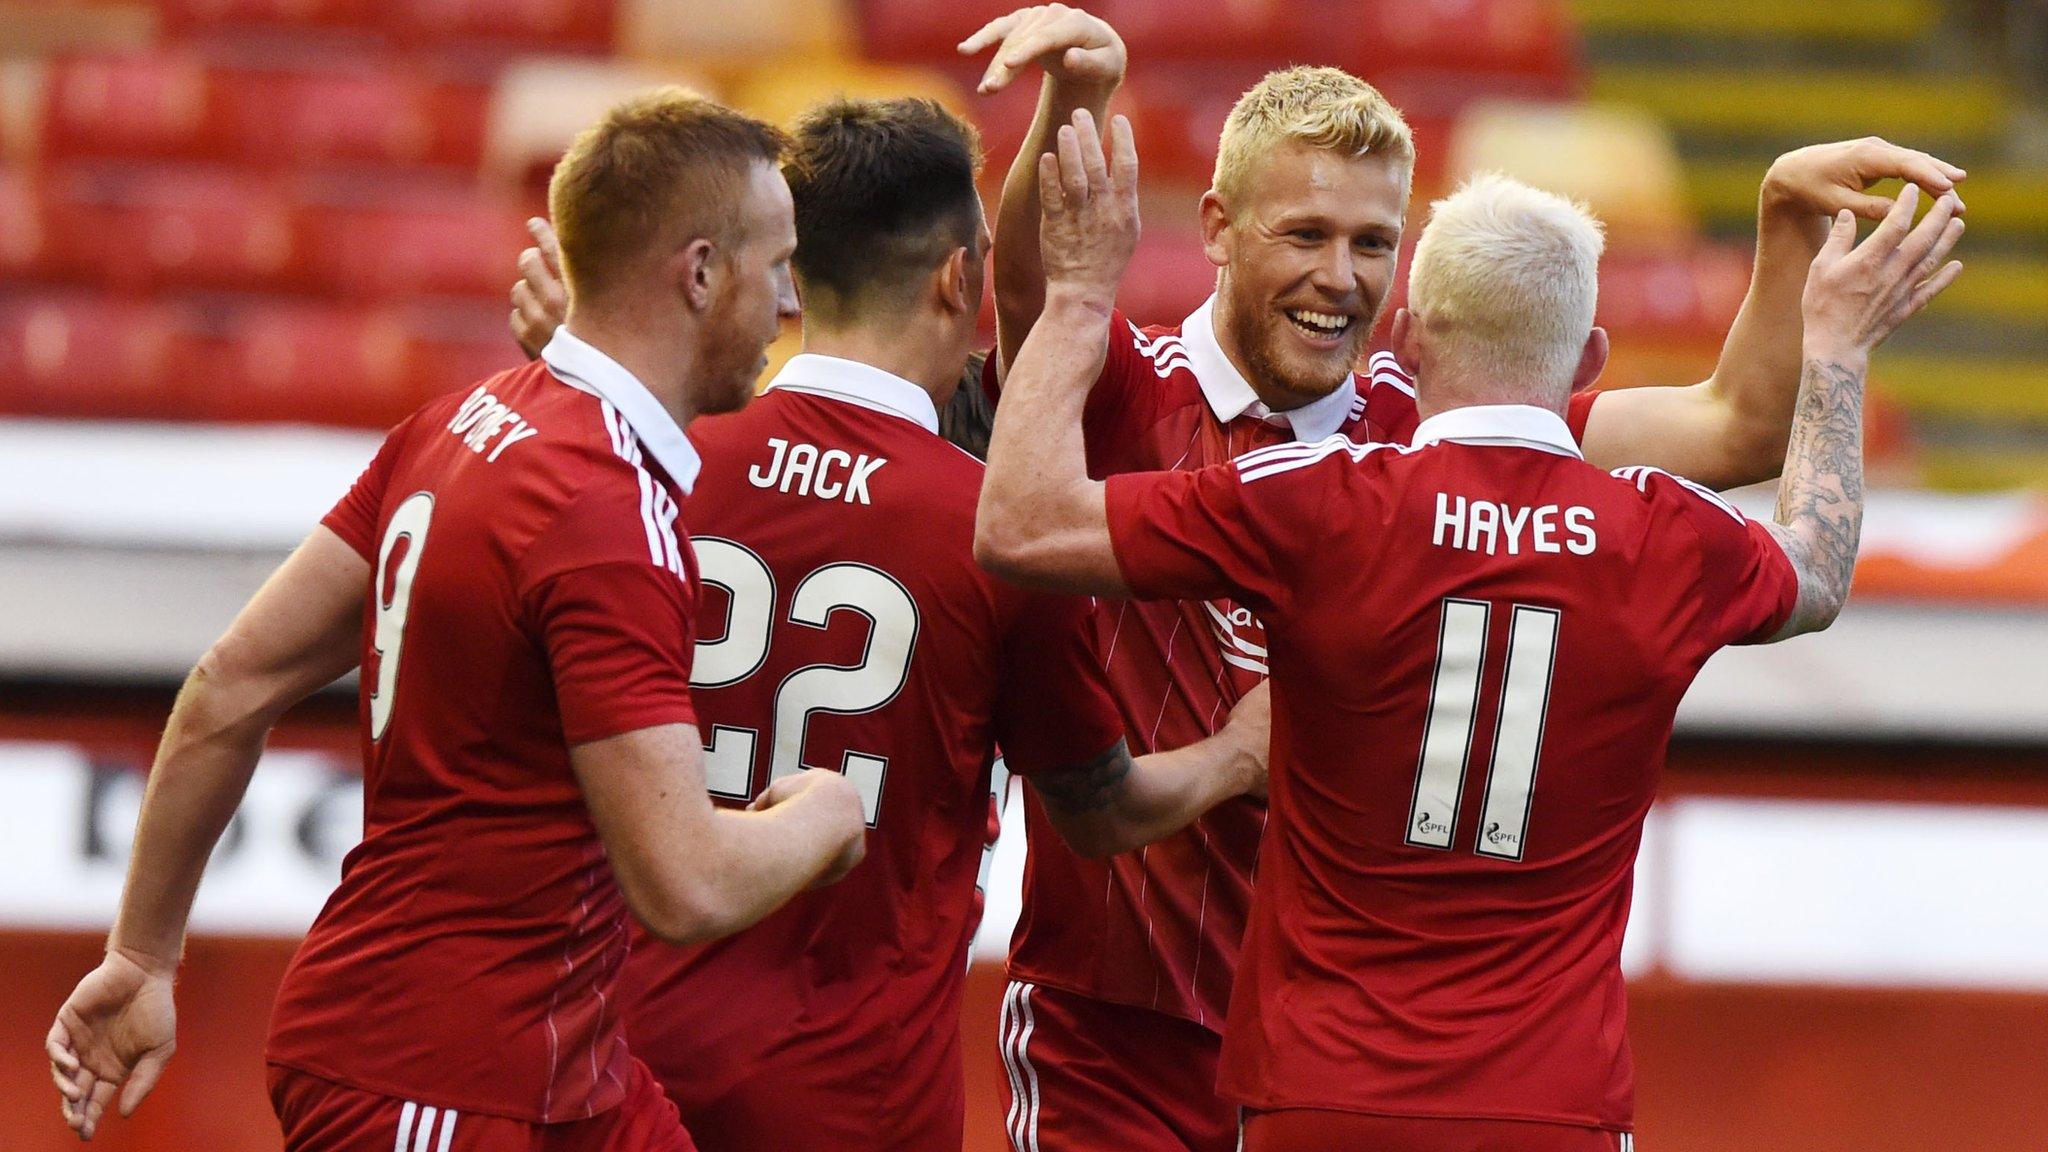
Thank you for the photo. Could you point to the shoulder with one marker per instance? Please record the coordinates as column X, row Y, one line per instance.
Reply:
column 1657, row 486
column 1332, row 457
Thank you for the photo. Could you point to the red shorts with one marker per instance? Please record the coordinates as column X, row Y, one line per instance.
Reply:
column 798, row 1102
column 1084, row 1074
column 322, row 1116
column 1320, row 1130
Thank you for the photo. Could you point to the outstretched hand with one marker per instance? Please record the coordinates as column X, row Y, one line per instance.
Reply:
column 1089, row 206
column 118, row 1027
column 1859, row 294
column 1074, row 47
column 540, row 300
column 1824, row 179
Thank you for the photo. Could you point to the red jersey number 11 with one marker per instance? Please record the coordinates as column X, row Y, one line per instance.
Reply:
column 835, row 688
column 1454, row 713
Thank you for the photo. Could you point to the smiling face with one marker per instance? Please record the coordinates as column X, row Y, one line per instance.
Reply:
column 756, row 294
column 1307, row 258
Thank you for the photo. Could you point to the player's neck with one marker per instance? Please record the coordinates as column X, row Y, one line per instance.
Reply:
column 650, row 358
column 1442, row 392
column 898, row 349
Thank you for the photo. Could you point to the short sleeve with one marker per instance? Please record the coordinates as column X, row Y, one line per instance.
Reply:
column 355, row 517
column 1104, row 417
column 1747, row 587
column 1577, row 411
column 1053, row 709
column 618, row 625
column 618, row 638
column 1224, row 530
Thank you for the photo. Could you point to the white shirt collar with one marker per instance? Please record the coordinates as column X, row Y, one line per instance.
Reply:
column 580, row 365
column 1501, row 426
column 1230, row 395
column 858, row 383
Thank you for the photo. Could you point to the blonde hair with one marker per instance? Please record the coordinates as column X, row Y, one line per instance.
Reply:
column 667, row 162
column 1506, row 280
column 1321, row 107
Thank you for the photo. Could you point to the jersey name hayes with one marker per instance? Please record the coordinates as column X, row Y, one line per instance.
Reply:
column 1484, row 526
column 806, row 471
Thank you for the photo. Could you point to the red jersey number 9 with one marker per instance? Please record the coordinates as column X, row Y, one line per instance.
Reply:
column 405, row 538
column 841, row 689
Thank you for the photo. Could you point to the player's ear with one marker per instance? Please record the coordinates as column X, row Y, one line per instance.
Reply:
column 1215, row 226
column 1592, row 361
column 1406, row 347
column 694, row 272
column 950, row 283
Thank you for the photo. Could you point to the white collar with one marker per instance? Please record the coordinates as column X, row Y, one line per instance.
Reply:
column 1230, row 396
column 580, row 364
column 1500, row 426
column 861, row 384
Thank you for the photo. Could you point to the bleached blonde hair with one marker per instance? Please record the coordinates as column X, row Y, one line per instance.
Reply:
column 1506, row 279
column 1321, row 107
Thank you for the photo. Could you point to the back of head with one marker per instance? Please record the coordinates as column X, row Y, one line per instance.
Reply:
column 1326, row 108
column 1504, row 285
column 660, row 170
column 884, row 192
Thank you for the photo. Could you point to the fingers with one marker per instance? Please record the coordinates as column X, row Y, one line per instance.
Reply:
column 144, row 1078
column 1867, row 206
column 1052, row 199
column 1891, row 231
column 1841, row 238
column 1918, row 248
column 991, row 33
column 1933, row 286
column 536, row 270
column 550, row 246
column 1073, row 170
column 95, row 1107
column 1093, row 163
column 1123, row 162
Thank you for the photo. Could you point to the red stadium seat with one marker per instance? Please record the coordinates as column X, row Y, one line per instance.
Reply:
column 70, row 354
column 390, row 245
column 1168, row 276
column 364, row 115
column 292, row 362
column 129, row 228
column 1690, row 297
column 1527, row 47
column 141, row 106
column 549, row 25
column 23, row 233
column 197, row 16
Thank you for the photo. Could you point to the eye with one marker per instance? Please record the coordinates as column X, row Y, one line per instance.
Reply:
column 1373, row 243
column 1307, row 235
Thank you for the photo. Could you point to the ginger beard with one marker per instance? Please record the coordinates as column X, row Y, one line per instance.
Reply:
column 1307, row 261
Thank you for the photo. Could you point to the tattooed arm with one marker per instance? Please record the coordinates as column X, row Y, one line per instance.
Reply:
column 1855, row 297
column 1115, row 803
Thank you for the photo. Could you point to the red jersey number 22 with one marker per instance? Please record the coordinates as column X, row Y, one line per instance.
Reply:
column 842, row 689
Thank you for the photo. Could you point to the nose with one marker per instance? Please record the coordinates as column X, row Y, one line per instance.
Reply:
column 787, row 306
column 1335, row 272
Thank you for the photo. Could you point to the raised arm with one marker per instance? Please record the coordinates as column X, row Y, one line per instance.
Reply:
column 1855, row 297
column 1041, row 521
column 1083, row 59
column 1116, row 803
column 301, row 631
column 1731, row 429
column 692, row 871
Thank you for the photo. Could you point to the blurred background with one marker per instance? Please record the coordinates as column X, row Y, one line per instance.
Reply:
column 238, row 238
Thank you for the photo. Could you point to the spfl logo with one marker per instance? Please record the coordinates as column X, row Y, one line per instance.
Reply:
column 1497, row 836
column 1428, row 825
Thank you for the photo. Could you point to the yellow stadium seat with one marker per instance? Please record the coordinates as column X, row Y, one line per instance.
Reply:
column 716, row 36
column 782, row 91
column 1619, row 161
column 540, row 105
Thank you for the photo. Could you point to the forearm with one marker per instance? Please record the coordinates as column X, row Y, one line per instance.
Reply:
column 1041, row 519
column 1820, row 498
column 1116, row 803
column 1756, row 379
column 761, row 860
column 1019, row 270
column 209, row 751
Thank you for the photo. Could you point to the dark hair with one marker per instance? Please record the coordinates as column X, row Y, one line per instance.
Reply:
column 884, row 190
column 664, row 162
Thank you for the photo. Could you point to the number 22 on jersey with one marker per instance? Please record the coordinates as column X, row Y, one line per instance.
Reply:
column 1454, row 713
column 751, row 627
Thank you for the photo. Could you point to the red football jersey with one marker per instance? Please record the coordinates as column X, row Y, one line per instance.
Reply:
column 1478, row 646
column 1159, row 928
column 533, row 590
column 847, row 626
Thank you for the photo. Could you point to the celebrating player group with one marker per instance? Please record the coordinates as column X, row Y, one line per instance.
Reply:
column 1340, row 678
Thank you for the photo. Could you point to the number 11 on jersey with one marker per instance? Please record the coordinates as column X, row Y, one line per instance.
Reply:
column 1454, row 714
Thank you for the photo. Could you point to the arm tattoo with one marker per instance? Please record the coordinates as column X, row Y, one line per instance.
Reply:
column 1089, row 787
column 1820, row 501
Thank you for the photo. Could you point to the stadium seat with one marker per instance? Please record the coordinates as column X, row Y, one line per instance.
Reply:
column 145, row 105
column 532, row 25
column 1524, row 46
column 288, row 361
column 1675, row 298
column 1620, row 162
column 72, row 354
column 381, row 245
column 711, row 36
column 539, row 105
column 782, row 91
column 130, row 228
column 22, row 231
column 1168, row 276
column 187, row 17
column 363, row 114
